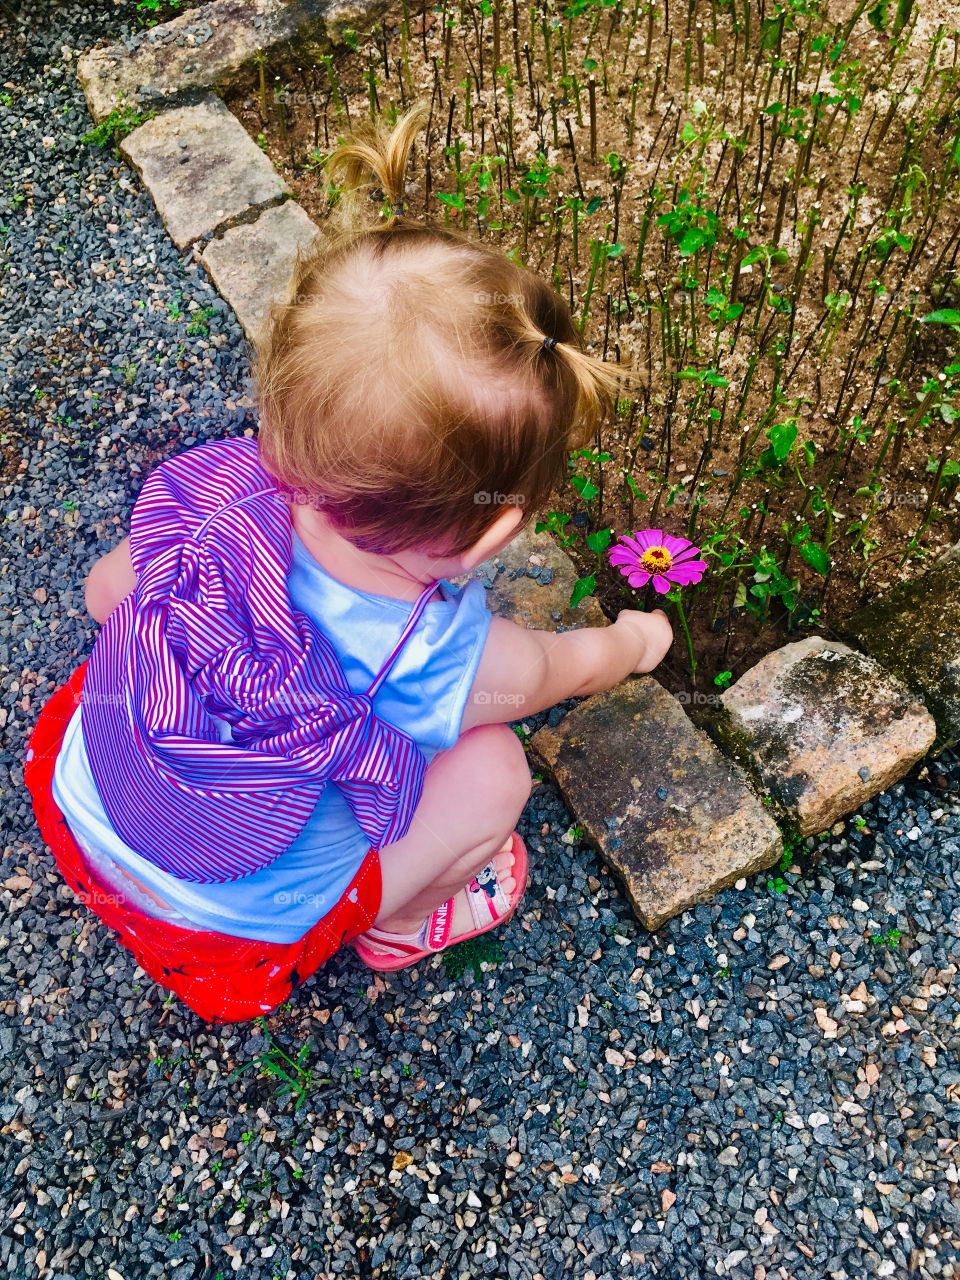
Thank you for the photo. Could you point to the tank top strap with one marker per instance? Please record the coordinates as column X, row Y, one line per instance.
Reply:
column 415, row 615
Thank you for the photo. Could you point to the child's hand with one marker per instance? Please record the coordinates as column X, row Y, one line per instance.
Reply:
column 523, row 672
column 649, row 633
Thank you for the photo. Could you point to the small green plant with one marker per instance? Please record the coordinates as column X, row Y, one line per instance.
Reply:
column 691, row 225
column 113, row 128
column 200, row 322
column 889, row 938
column 296, row 1079
column 471, row 955
column 777, row 884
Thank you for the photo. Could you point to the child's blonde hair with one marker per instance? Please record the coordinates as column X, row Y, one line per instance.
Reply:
column 407, row 388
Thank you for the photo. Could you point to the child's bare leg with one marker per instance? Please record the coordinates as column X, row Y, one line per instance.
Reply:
column 473, row 795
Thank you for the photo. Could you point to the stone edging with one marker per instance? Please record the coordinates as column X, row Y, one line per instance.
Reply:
column 810, row 733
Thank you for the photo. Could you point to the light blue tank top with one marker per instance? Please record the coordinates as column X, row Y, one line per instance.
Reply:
column 425, row 695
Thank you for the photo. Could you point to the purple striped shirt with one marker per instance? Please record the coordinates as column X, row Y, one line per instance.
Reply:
column 214, row 713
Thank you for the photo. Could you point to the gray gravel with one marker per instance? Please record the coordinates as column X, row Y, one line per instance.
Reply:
column 760, row 1090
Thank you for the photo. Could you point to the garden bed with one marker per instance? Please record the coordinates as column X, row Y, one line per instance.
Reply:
column 759, row 214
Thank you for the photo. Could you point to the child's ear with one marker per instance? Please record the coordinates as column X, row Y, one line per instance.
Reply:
column 494, row 538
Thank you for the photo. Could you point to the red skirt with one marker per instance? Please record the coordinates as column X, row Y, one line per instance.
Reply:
column 221, row 978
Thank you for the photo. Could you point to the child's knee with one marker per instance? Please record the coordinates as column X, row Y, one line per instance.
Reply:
column 499, row 766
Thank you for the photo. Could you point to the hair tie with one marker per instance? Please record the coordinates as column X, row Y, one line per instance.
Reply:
column 549, row 344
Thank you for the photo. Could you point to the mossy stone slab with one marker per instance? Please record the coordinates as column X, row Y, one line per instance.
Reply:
column 823, row 728
column 253, row 266
column 914, row 631
column 202, row 168
column 530, row 582
column 192, row 52
column 673, row 818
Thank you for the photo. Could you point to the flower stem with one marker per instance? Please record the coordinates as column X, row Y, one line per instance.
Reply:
column 675, row 597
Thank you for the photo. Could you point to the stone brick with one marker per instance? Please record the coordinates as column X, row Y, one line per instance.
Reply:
column 543, row 605
column 194, row 51
column 823, row 728
column 202, row 168
column 914, row 631
column 673, row 818
column 253, row 265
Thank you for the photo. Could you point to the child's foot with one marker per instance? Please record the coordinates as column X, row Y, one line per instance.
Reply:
column 463, row 920
column 489, row 900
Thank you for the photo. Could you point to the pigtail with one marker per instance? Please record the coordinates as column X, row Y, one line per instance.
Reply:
column 593, row 385
column 599, row 384
column 376, row 156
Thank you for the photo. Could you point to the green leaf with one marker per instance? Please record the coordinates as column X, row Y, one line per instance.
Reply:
column 586, row 488
column 582, row 588
column 816, row 557
column 692, row 240
column 878, row 16
column 951, row 467
column 945, row 316
column 594, row 204
column 782, row 438
column 600, row 540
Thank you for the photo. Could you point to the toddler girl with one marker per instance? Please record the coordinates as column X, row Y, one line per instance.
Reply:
column 291, row 733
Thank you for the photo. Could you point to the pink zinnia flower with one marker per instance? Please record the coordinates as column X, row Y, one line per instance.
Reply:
column 651, row 553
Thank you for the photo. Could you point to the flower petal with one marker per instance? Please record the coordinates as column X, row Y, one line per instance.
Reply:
column 649, row 538
column 639, row 578
column 688, row 575
column 676, row 546
column 661, row 584
column 690, row 553
column 629, row 540
column 622, row 555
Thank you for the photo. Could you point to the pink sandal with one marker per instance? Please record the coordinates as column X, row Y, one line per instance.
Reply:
column 489, row 905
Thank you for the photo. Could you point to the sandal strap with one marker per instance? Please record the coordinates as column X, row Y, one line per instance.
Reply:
column 433, row 935
column 486, row 897
column 440, row 926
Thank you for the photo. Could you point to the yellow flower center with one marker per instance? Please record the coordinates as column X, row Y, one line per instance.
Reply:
column 656, row 560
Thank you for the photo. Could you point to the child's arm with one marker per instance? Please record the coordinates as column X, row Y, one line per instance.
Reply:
column 109, row 581
column 523, row 672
